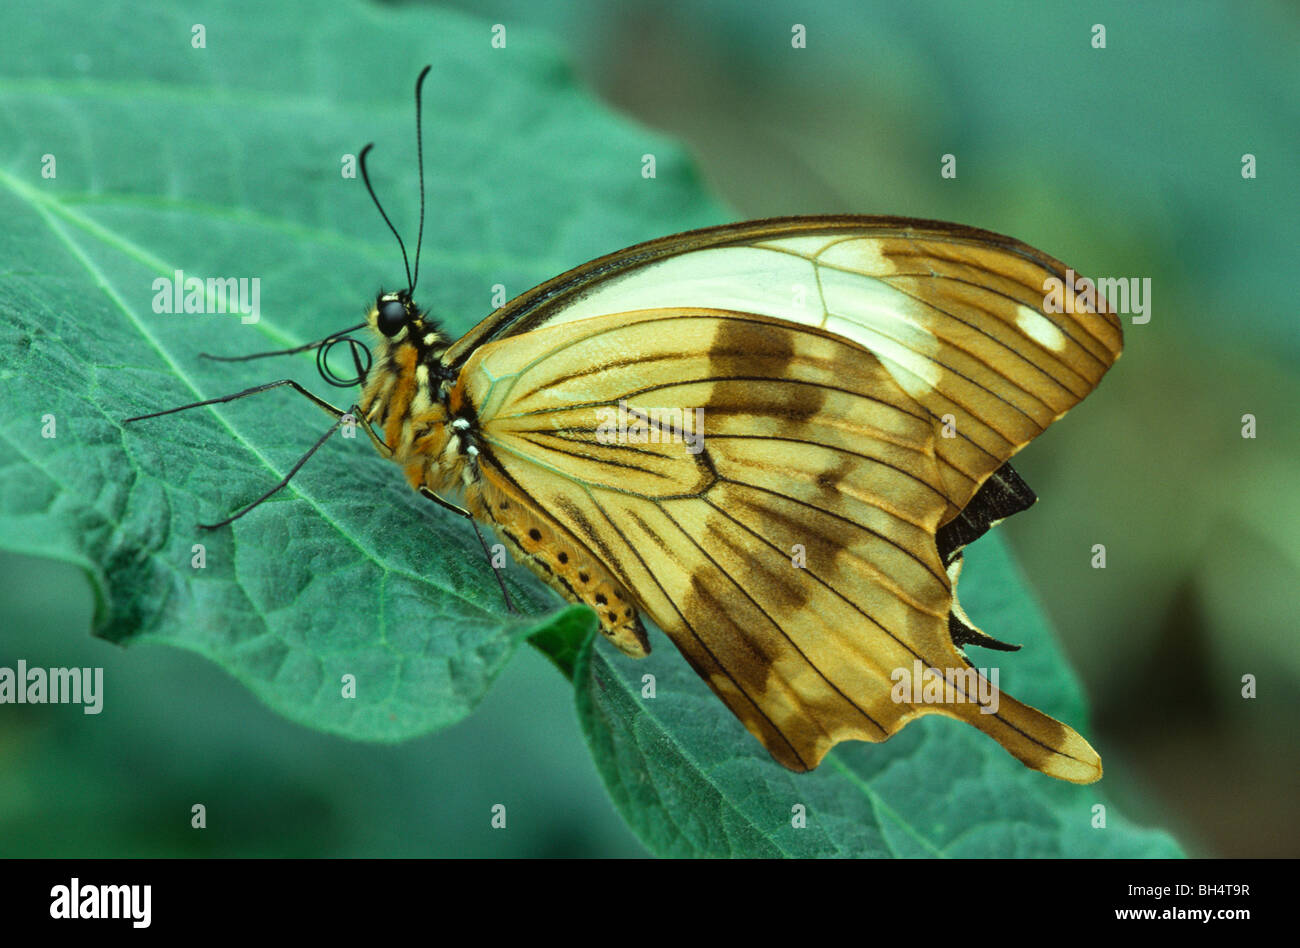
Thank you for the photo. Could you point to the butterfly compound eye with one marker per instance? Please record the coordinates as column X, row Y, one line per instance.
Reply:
column 392, row 317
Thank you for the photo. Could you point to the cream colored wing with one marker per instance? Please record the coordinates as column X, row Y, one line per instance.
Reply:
column 956, row 315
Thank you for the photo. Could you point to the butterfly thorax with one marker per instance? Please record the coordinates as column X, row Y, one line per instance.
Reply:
column 405, row 396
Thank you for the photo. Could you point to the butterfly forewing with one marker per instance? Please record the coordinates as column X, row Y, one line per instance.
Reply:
column 954, row 313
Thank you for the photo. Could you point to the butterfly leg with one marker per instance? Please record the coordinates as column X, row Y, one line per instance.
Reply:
column 448, row 505
column 314, row 399
column 283, row 481
column 380, row 445
column 338, row 414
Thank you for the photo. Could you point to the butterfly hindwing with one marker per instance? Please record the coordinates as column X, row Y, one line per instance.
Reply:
column 791, row 555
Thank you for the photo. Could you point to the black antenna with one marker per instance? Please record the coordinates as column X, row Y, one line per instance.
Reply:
column 365, row 176
column 419, row 153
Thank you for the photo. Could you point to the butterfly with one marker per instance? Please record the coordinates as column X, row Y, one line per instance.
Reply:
column 773, row 439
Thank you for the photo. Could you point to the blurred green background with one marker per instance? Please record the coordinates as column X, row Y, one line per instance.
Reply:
column 1123, row 161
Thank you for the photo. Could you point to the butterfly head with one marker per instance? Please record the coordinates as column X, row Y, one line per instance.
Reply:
column 394, row 314
column 396, row 317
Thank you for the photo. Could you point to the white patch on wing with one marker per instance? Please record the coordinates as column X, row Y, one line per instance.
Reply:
column 875, row 307
column 776, row 279
column 743, row 279
column 1040, row 329
column 887, row 322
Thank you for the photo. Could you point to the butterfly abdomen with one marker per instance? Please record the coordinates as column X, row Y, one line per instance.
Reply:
column 560, row 561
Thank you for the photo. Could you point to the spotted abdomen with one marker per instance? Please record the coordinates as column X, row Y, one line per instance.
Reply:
column 563, row 563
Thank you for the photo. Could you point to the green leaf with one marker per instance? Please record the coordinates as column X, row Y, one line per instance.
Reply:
column 564, row 640
column 226, row 161
column 691, row 780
